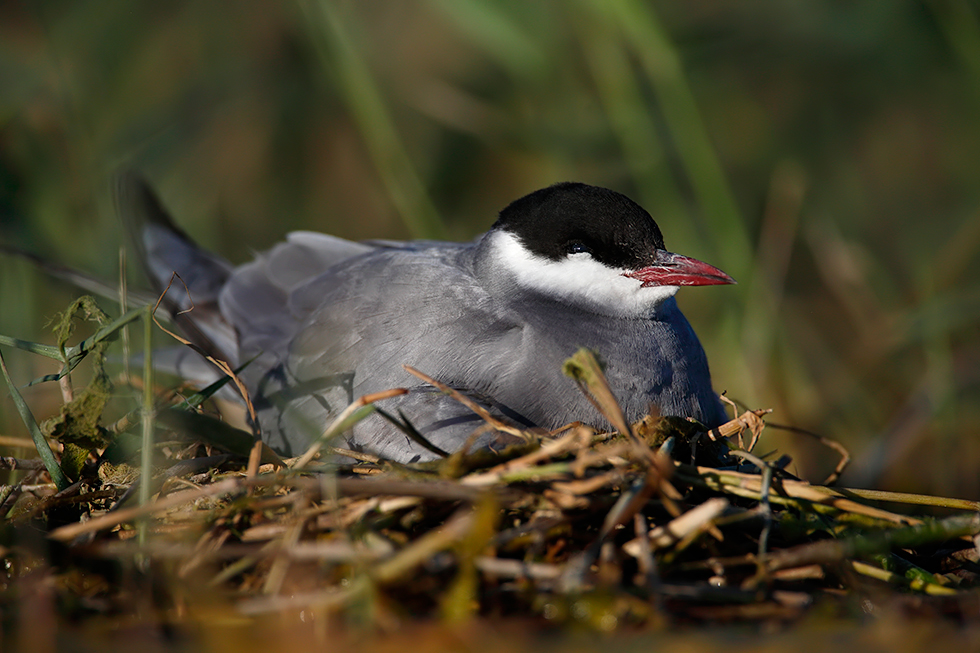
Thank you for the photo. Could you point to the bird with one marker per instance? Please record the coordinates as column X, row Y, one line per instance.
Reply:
column 321, row 321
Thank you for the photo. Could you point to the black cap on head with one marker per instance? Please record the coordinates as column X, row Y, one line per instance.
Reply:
column 572, row 217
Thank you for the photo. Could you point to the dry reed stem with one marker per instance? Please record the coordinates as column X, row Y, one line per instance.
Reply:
column 751, row 485
column 469, row 403
column 336, row 426
column 695, row 520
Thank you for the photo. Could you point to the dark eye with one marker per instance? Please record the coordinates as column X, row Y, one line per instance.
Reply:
column 578, row 248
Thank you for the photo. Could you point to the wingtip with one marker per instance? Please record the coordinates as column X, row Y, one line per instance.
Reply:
column 136, row 202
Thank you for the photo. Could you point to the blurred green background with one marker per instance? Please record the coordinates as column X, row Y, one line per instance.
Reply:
column 826, row 154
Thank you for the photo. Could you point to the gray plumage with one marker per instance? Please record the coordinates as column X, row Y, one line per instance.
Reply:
column 328, row 320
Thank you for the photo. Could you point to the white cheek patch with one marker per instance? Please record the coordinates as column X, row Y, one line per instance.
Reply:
column 579, row 279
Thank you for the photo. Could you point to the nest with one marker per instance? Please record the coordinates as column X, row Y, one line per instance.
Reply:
column 655, row 523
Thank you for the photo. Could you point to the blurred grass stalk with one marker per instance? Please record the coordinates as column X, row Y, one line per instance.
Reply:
column 147, row 414
column 336, row 41
column 659, row 59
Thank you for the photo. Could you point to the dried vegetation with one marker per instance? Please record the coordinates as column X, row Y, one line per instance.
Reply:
column 648, row 525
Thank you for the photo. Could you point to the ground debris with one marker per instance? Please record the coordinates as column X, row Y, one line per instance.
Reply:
column 594, row 529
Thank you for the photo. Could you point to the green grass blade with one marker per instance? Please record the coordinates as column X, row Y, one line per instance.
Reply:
column 108, row 332
column 49, row 351
column 72, row 356
column 195, row 400
column 76, row 353
column 499, row 31
column 54, row 469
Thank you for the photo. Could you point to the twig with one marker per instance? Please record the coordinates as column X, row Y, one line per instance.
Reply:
column 695, row 520
column 750, row 485
column 347, row 418
column 469, row 403
column 834, row 551
column 9, row 463
column 764, row 505
column 845, row 455
column 108, row 520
